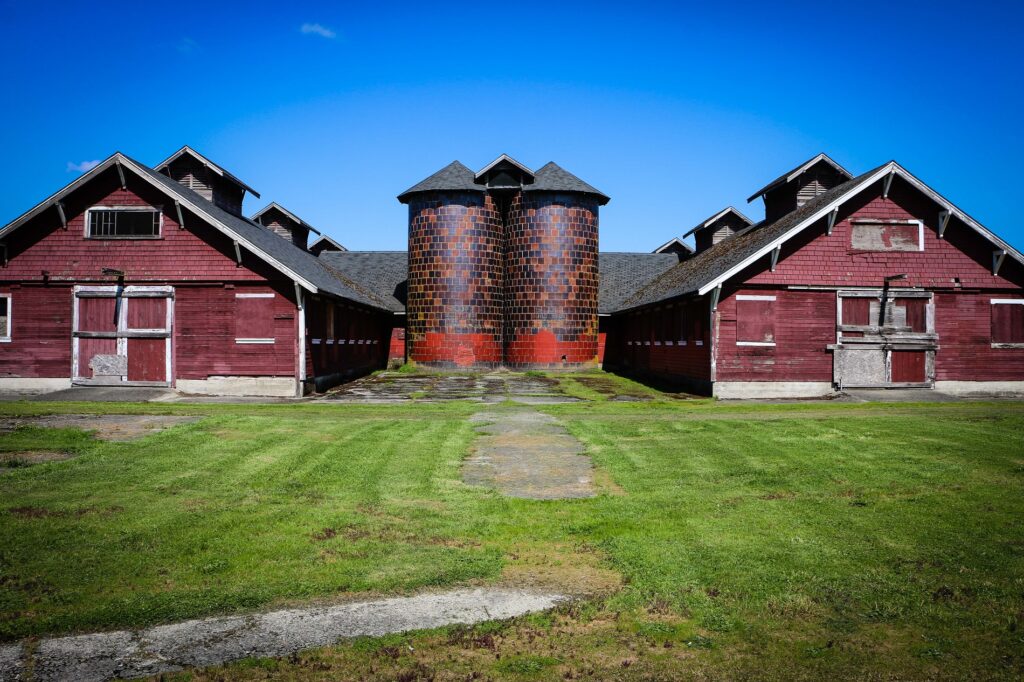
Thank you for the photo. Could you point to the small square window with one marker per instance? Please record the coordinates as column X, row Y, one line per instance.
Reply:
column 123, row 223
column 254, row 318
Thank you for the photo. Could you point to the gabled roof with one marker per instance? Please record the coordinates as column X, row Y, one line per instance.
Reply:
column 382, row 272
column 327, row 240
column 553, row 178
column 274, row 205
column 793, row 174
column 708, row 269
column 675, row 242
column 209, row 164
column 504, row 158
column 295, row 263
column 453, row 177
column 718, row 216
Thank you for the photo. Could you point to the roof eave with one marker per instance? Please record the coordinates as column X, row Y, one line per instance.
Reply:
column 220, row 170
column 793, row 174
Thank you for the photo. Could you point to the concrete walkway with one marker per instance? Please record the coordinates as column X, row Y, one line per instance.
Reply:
column 529, row 454
column 211, row 641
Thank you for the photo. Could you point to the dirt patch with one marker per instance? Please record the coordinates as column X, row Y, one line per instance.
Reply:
column 528, row 454
column 559, row 568
column 612, row 389
column 114, row 427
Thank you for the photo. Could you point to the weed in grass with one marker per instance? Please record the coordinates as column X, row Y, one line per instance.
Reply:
column 525, row 664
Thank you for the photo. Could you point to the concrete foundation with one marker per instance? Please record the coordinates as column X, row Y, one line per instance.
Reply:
column 980, row 387
column 33, row 384
column 738, row 390
column 270, row 387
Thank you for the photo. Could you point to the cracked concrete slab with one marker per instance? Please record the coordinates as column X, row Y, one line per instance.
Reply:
column 486, row 387
column 528, row 454
column 211, row 641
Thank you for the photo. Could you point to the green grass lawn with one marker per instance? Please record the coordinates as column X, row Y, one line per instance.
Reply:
column 726, row 541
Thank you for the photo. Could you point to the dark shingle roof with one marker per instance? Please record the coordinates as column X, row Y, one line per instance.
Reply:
column 453, row 177
column 553, row 178
column 299, row 261
column 621, row 274
column 690, row 275
column 382, row 272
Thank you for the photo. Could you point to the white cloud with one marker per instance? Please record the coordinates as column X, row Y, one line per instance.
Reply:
column 82, row 167
column 317, row 30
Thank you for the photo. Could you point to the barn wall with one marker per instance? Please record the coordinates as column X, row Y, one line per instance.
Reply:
column 344, row 341
column 964, row 323
column 40, row 345
column 805, row 323
column 648, row 344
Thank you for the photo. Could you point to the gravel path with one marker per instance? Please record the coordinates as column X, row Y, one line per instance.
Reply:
column 211, row 641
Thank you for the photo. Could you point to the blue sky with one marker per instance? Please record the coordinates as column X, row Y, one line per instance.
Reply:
column 674, row 110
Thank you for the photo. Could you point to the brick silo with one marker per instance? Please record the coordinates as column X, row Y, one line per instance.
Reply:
column 454, row 304
column 551, row 280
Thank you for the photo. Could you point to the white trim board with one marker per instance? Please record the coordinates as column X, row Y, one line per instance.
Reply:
column 890, row 168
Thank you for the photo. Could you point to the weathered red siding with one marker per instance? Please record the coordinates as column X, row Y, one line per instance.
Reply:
column 805, row 323
column 40, row 343
column 964, row 323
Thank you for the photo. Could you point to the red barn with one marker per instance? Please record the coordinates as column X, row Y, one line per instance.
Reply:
column 151, row 276
column 868, row 281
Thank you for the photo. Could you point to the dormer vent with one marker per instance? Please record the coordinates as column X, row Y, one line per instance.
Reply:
column 795, row 188
column 195, row 171
column 718, row 227
column 285, row 224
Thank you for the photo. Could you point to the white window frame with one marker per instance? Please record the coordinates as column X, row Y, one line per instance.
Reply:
column 873, row 221
column 254, row 341
column 138, row 209
column 994, row 301
column 6, row 338
column 751, row 297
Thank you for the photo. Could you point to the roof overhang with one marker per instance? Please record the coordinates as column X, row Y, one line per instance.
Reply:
column 209, row 164
column 796, row 172
column 325, row 238
column 895, row 170
column 119, row 159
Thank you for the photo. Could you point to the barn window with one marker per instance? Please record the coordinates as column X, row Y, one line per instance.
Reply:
column 254, row 318
column 880, row 235
column 126, row 222
column 755, row 320
column 1008, row 322
column 5, row 317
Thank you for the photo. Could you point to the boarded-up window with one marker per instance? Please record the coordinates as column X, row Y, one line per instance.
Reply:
column 880, row 236
column 1008, row 321
column 914, row 313
column 5, row 317
column 696, row 312
column 857, row 311
column 254, row 318
column 755, row 320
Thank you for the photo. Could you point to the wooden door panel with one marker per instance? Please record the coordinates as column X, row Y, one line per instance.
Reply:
column 908, row 367
column 96, row 314
column 147, row 313
column 89, row 349
column 147, row 360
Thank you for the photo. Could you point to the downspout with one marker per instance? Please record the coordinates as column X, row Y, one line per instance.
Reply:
column 300, row 375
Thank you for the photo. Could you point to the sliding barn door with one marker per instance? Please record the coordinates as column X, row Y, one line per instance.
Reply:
column 123, row 336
